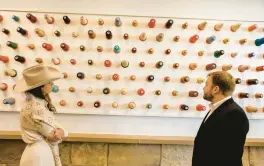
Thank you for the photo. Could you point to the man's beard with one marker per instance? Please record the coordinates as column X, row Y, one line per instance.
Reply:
column 208, row 96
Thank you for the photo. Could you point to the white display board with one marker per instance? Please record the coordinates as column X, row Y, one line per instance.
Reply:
column 142, row 55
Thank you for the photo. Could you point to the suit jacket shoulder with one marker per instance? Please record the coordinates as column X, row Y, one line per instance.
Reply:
column 231, row 109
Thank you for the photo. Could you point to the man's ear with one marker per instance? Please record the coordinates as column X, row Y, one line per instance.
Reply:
column 216, row 89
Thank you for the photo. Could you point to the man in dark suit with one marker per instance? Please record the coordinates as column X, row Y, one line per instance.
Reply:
column 222, row 134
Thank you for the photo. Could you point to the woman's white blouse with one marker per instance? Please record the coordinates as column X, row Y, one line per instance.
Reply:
column 37, row 122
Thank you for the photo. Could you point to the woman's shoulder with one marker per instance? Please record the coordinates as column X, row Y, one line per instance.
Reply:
column 32, row 102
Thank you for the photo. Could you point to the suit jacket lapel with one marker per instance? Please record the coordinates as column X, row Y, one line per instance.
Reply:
column 213, row 117
column 218, row 110
column 206, row 116
column 203, row 121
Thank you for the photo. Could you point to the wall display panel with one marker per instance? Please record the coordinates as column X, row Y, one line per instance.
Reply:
column 134, row 66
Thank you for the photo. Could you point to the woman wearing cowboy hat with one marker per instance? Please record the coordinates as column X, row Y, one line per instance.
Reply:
column 39, row 128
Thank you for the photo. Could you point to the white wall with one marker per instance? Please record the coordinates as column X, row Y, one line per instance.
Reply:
column 225, row 10
column 210, row 9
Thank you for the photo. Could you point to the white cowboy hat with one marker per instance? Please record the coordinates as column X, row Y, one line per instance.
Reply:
column 36, row 76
